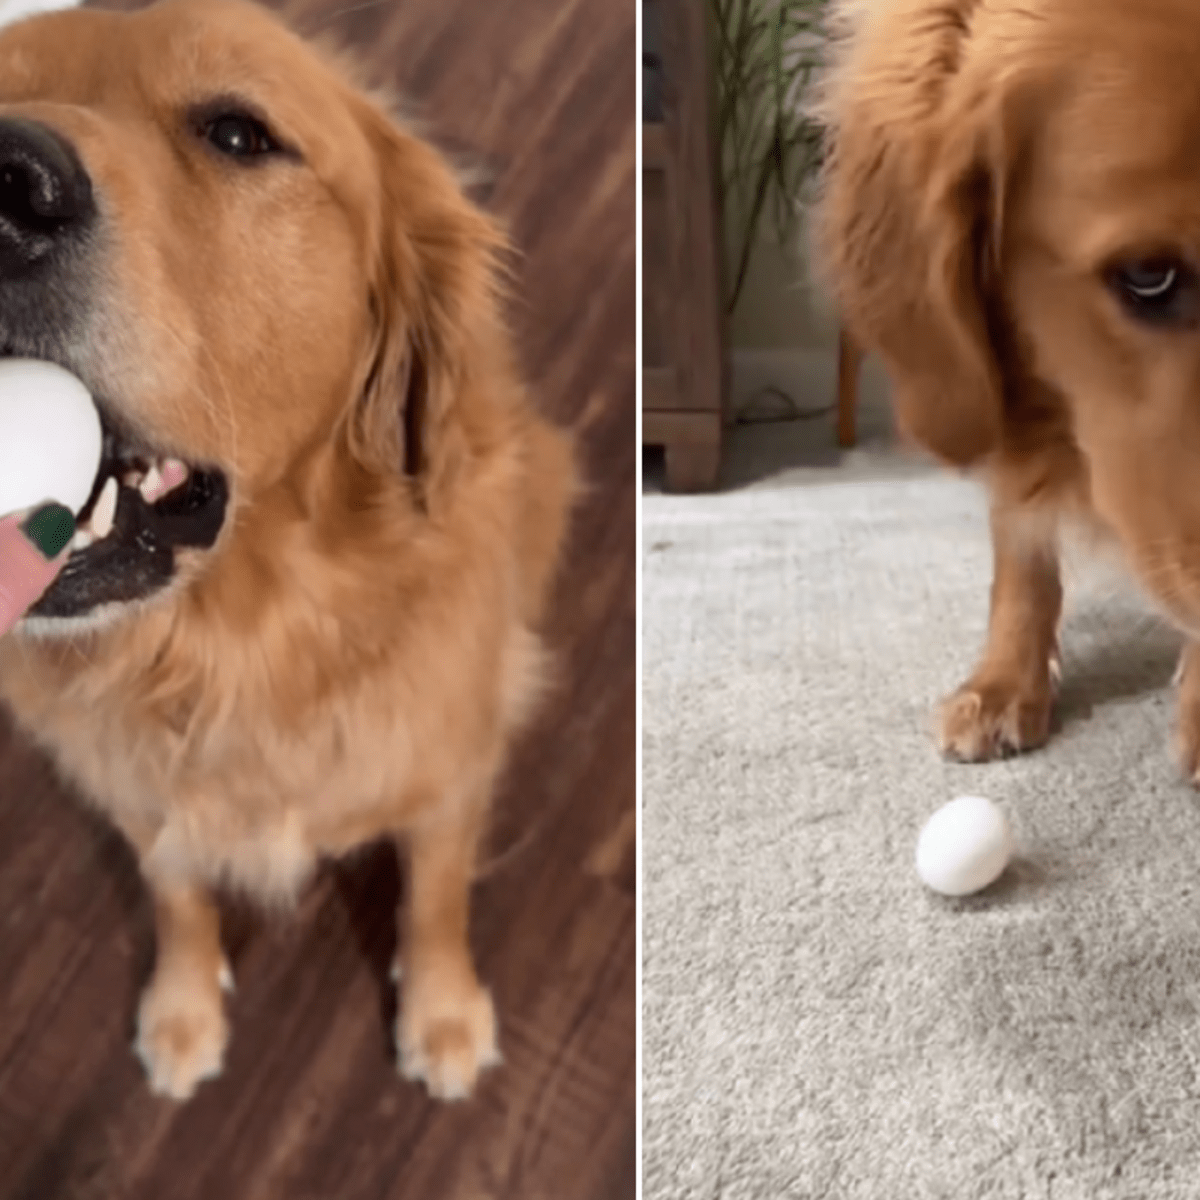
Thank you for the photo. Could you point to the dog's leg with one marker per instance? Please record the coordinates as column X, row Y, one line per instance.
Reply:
column 1005, row 705
column 1188, row 712
column 182, row 1029
column 446, row 1029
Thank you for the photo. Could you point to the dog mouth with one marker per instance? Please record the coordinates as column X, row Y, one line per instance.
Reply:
column 143, row 507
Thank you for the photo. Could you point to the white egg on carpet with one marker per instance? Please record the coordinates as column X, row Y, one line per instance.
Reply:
column 50, row 436
column 964, row 846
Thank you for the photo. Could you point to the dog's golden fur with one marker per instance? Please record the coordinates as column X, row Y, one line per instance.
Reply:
column 997, row 170
column 352, row 657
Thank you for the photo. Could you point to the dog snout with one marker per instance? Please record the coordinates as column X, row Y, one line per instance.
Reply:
column 45, row 194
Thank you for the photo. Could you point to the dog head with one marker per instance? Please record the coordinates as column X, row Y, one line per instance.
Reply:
column 1012, row 220
column 254, row 270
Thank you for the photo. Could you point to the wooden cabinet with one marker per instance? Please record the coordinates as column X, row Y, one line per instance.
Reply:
column 684, row 365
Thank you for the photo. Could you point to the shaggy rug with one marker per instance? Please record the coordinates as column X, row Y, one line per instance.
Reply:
column 816, row 1023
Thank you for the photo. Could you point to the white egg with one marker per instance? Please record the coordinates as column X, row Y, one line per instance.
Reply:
column 50, row 437
column 964, row 846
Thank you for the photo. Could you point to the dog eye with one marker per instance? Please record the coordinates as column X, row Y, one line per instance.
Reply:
column 1157, row 291
column 240, row 136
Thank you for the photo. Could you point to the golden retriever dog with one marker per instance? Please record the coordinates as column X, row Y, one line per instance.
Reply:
column 1011, row 221
column 314, row 619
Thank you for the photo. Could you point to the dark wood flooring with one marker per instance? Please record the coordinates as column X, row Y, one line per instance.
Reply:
column 541, row 93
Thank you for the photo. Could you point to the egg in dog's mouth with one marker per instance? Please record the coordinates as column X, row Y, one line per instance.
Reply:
column 142, row 508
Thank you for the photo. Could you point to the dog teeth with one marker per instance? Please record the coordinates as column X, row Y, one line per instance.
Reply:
column 83, row 539
column 174, row 472
column 163, row 476
column 106, row 509
column 152, row 484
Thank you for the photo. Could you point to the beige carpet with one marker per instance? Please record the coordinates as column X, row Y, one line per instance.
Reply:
column 818, row 1025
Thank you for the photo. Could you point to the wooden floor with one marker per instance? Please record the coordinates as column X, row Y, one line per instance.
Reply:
column 540, row 92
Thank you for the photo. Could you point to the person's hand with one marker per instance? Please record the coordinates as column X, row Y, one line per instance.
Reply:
column 34, row 546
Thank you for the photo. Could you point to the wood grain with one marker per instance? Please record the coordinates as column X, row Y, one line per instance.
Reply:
column 683, row 318
column 541, row 95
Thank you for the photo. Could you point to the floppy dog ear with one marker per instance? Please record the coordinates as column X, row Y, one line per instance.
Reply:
column 910, row 225
column 436, row 266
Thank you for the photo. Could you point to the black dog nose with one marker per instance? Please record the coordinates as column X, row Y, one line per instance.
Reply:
column 45, row 194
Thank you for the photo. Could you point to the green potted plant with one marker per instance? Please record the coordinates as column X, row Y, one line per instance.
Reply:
column 767, row 55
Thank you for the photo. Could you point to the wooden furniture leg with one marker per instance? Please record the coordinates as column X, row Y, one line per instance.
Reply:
column 849, row 366
column 694, row 466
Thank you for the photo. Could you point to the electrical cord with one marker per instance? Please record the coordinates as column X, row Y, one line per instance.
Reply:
column 792, row 411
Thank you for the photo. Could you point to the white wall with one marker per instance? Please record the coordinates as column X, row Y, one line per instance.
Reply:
column 781, row 304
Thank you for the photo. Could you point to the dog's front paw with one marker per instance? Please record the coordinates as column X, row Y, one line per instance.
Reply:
column 181, row 1035
column 1187, row 721
column 992, row 718
column 1187, row 737
column 446, row 1034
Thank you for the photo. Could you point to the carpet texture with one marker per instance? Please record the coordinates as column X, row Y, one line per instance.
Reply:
column 816, row 1024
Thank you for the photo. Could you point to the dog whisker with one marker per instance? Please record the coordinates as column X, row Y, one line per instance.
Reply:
column 226, row 418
